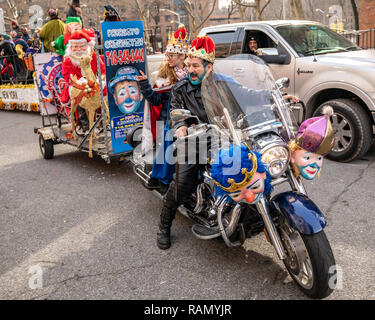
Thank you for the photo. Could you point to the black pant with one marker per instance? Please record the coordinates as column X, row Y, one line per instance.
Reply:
column 187, row 178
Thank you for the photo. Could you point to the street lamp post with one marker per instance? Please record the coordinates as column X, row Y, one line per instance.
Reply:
column 323, row 13
column 173, row 12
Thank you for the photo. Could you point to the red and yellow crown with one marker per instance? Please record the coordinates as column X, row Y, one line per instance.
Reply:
column 204, row 48
column 178, row 42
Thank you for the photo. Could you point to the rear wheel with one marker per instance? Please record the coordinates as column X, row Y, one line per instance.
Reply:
column 352, row 129
column 309, row 261
column 46, row 147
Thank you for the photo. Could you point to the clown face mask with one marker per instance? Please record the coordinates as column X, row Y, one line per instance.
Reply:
column 252, row 192
column 127, row 96
column 309, row 164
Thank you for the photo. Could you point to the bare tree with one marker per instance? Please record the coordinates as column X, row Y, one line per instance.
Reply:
column 232, row 8
column 297, row 9
column 355, row 14
column 259, row 8
column 194, row 9
column 142, row 12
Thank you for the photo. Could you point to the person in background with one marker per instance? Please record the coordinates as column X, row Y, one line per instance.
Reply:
column 25, row 35
column 36, row 34
column 7, row 70
column 74, row 10
column 8, row 50
column 253, row 47
column 34, row 47
column 7, row 47
column 21, row 45
column 53, row 29
column 15, row 26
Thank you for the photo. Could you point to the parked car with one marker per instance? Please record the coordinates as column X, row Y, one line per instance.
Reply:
column 324, row 68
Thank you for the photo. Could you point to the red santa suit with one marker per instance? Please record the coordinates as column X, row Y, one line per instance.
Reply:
column 69, row 69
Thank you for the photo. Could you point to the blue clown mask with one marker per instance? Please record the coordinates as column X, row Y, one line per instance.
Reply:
column 240, row 175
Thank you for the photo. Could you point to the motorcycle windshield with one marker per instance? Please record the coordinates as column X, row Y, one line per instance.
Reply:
column 243, row 105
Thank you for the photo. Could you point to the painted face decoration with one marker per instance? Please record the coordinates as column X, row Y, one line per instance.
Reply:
column 127, row 96
column 309, row 164
column 314, row 140
column 125, row 89
column 252, row 191
column 240, row 175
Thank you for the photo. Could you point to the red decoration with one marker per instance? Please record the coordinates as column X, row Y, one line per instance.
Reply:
column 204, row 42
column 180, row 33
column 78, row 35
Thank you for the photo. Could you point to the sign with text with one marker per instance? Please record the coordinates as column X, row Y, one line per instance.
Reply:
column 124, row 58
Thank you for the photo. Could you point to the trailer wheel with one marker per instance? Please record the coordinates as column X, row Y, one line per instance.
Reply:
column 46, row 147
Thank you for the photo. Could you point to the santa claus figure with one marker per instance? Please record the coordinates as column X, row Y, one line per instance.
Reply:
column 79, row 45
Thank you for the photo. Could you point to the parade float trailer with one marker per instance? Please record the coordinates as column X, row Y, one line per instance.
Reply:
column 107, row 136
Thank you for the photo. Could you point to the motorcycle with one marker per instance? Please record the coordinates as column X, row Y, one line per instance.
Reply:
column 261, row 119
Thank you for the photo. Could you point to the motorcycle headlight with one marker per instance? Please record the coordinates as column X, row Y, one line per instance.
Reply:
column 277, row 159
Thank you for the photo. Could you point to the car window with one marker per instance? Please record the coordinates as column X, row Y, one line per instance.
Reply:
column 308, row 40
column 223, row 42
column 264, row 42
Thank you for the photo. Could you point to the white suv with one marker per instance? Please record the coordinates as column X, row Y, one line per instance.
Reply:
column 324, row 68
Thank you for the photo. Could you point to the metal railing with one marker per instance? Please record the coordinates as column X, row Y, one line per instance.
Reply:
column 362, row 38
column 15, row 70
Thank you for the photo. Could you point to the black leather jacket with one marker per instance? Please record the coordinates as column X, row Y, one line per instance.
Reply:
column 185, row 95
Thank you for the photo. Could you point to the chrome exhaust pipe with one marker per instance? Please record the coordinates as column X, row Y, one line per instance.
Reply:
column 236, row 213
column 231, row 226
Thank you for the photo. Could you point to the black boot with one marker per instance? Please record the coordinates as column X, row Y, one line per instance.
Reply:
column 164, row 235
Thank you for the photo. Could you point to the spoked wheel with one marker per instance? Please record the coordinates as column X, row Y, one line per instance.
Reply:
column 46, row 147
column 309, row 261
column 79, row 130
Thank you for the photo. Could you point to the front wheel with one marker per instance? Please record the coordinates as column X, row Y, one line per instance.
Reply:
column 46, row 147
column 309, row 261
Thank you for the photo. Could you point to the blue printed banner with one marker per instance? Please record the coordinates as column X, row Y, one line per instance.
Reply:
column 124, row 57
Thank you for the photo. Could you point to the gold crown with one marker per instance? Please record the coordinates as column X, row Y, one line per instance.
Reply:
column 248, row 176
column 179, row 44
column 201, row 53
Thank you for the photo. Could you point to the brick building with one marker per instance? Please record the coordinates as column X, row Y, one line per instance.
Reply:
column 366, row 14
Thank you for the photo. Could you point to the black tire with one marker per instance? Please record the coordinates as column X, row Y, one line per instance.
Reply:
column 46, row 147
column 321, row 263
column 352, row 127
column 134, row 136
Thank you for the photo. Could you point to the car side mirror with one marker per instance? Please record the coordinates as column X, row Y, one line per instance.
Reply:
column 275, row 59
column 282, row 83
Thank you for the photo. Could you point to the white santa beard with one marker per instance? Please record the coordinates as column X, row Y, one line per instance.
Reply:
column 76, row 58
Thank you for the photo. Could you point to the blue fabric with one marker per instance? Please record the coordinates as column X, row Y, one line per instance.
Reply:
column 164, row 166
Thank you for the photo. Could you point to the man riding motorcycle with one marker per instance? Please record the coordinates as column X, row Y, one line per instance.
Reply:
column 186, row 94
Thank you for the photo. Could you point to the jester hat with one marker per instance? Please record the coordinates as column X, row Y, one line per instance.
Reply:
column 204, row 48
column 316, row 134
column 111, row 14
column 233, row 168
column 178, row 42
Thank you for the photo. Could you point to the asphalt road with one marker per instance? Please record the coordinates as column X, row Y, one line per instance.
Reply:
column 77, row 228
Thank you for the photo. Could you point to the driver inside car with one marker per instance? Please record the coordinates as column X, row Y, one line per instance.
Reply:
column 186, row 94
